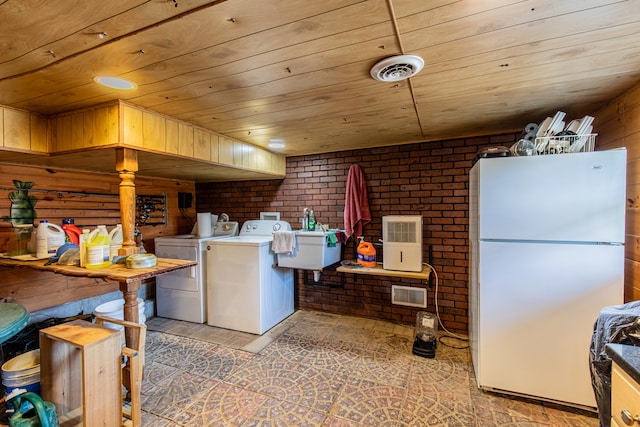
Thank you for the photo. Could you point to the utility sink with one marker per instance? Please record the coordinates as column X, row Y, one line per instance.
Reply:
column 312, row 252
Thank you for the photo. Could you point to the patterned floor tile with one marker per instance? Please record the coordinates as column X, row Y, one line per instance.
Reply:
column 319, row 369
column 289, row 381
column 294, row 348
column 369, row 403
column 340, row 356
column 170, row 396
column 225, row 405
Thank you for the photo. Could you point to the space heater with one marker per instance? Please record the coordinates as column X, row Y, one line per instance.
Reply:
column 402, row 242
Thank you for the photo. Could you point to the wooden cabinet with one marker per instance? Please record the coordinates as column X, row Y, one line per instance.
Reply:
column 625, row 398
column 23, row 131
column 124, row 125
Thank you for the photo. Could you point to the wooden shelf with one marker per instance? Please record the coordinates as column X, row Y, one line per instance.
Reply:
column 379, row 271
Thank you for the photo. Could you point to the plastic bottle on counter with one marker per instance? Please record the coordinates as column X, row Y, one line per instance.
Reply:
column 305, row 219
column 49, row 237
column 42, row 248
column 97, row 245
column 366, row 254
column 72, row 232
column 83, row 246
column 115, row 238
column 312, row 221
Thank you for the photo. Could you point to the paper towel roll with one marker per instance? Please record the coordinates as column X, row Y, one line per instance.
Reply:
column 531, row 128
column 530, row 136
column 204, row 224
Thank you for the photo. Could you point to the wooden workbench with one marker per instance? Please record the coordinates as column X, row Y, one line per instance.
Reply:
column 48, row 290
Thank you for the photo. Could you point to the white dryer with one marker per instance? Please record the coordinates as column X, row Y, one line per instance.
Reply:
column 182, row 294
column 247, row 291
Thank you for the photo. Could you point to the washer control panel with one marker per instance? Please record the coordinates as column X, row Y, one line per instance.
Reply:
column 263, row 227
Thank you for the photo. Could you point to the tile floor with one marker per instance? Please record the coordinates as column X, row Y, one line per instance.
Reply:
column 318, row 369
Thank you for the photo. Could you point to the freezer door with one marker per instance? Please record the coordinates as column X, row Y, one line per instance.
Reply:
column 537, row 304
column 569, row 197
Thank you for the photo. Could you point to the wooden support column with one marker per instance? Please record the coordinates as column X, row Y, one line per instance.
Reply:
column 129, row 291
column 127, row 166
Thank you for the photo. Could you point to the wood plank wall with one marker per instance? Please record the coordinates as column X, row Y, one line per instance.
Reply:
column 618, row 125
column 90, row 199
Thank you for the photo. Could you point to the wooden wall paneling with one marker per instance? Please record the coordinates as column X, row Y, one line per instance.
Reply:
column 279, row 164
column 90, row 198
column 2, row 111
column 131, row 126
column 153, row 131
column 631, row 280
column 60, row 134
column 77, row 129
column 249, row 156
column 201, row 144
column 17, row 127
column 226, row 151
column 238, row 153
column 39, row 134
column 214, row 147
column 27, row 287
column 106, row 125
column 263, row 159
column 185, row 140
column 172, row 137
column 618, row 125
column 89, row 137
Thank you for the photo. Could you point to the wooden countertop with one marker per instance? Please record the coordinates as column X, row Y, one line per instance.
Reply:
column 116, row 272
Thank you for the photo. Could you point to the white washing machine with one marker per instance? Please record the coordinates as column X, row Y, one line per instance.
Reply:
column 182, row 294
column 247, row 292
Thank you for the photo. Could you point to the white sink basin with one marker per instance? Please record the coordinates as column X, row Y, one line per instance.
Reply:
column 312, row 252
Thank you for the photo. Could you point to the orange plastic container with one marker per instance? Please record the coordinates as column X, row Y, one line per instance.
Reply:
column 73, row 233
column 366, row 255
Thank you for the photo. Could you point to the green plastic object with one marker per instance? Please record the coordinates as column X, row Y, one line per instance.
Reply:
column 13, row 318
column 32, row 411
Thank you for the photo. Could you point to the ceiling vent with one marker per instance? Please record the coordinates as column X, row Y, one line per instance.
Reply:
column 397, row 68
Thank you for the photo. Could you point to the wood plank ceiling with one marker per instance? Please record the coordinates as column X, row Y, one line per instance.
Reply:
column 298, row 70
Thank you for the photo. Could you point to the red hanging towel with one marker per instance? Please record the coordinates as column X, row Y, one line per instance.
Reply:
column 356, row 203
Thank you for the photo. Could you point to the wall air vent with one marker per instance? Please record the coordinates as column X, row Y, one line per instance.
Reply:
column 396, row 68
column 405, row 295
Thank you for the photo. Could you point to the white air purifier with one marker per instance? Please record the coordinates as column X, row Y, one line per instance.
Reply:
column 402, row 242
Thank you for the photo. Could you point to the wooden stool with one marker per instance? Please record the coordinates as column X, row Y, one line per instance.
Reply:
column 80, row 373
column 133, row 370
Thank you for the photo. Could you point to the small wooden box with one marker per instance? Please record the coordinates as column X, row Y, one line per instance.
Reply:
column 80, row 373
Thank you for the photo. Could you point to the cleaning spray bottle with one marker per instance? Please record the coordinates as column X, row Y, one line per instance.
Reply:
column 366, row 253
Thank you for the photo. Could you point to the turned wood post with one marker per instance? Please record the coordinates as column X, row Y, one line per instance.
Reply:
column 127, row 165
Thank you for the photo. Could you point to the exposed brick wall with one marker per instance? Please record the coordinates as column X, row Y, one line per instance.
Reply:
column 428, row 179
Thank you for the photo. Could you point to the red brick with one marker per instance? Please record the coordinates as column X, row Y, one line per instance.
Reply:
column 429, row 178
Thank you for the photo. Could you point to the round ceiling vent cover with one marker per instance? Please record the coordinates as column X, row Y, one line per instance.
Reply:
column 397, row 68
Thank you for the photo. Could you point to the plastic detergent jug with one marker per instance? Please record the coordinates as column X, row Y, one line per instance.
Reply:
column 73, row 233
column 97, row 247
column 49, row 237
column 366, row 254
column 115, row 237
column 83, row 246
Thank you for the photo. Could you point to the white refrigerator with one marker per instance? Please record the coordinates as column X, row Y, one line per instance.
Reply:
column 546, row 254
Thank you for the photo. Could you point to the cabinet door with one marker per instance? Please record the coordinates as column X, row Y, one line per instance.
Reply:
column 625, row 395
